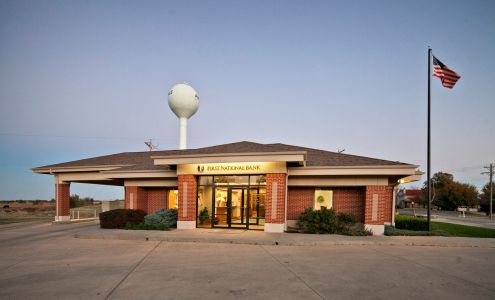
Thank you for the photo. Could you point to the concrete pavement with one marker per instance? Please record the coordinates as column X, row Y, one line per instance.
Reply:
column 46, row 262
column 254, row 237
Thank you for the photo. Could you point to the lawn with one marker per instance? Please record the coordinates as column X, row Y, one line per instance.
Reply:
column 463, row 230
column 445, row 229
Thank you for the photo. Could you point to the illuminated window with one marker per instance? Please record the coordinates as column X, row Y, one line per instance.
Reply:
column 323, row 198
column 173, row 199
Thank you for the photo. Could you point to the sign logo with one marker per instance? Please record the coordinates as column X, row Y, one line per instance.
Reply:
column 201, row 169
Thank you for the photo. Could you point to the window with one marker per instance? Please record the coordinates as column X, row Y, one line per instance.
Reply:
column 173, row 198
column 323, row 198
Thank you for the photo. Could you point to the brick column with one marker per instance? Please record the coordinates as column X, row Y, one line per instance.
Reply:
column 62, row 198
column 187, row 202
column 377, row 208
column 136, row 198
column 276, row 188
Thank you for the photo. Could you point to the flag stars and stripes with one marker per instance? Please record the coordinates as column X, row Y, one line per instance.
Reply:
column 446, row 75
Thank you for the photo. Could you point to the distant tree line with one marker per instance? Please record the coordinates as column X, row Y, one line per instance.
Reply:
column 76, row 201
column 448, row 194
column 34, row 202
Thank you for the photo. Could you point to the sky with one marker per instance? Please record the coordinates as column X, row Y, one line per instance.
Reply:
column 86, row 78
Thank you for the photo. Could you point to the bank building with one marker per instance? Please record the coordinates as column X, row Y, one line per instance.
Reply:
column 243, row 185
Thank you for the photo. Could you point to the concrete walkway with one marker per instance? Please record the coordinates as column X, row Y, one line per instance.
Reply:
column 252, row 237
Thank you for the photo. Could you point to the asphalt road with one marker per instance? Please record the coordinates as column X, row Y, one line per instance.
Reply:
column 44, row 261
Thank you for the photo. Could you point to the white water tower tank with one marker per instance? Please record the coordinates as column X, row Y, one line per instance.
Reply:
column 184, row 102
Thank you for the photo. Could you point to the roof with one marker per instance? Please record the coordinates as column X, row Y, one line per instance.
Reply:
column 133, row 161
column 412, row 192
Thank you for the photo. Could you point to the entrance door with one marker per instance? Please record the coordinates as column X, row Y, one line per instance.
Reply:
column 232, row 207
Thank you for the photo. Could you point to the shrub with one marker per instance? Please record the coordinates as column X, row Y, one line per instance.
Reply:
column 119, row 218
column 344, row 219
column 327, row 221
column 167, row 217
column 318, row 221
column 146, row 227
column 410, row 223
column 355, row 231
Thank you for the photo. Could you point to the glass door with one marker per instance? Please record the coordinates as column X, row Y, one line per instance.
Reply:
column 231, row 207
column 238, row 207
column 257, row 199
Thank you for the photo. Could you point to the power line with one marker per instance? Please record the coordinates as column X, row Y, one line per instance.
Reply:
column 75, row 137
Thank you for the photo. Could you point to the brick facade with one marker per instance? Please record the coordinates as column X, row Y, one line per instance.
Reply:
column 275, row 206
column 350, row 200
column 149, row 199
column 138, row 196
column 187, row 198
column 378, row 205
column 298, row 199
column 157, row 199
column 62, row 196
column 345, row 199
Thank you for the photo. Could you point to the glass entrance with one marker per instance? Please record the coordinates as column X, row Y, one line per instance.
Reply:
column 231, row 201
column 231, row 207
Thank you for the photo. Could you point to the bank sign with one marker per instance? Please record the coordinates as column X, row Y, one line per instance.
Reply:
column 232, row 168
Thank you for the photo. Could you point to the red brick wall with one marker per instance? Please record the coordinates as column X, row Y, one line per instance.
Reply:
column 280, row 201
column 140, row 197
column 345, row 199
column 157, row 199
column 190, row 213
column 298, row 199
column 349, row 200
column 62, row 196
column 384, row 212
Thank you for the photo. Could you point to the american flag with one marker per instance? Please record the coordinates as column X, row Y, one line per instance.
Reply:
column 446, row 75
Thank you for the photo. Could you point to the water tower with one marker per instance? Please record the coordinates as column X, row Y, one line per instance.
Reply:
column 184, row 102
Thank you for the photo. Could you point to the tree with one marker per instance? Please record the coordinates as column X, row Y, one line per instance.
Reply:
column 485, row 197
column 485, row 193
column 76, row 201
column 449, row 194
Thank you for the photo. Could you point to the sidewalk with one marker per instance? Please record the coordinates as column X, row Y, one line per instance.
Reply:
column 252, row 237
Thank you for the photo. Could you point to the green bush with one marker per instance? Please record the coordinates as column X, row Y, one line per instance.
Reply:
column 166, row 217
column 318, row 221
column 327, row 221
column 146, row 227
column 355, row 231
column 119, row 218
column 411, row 223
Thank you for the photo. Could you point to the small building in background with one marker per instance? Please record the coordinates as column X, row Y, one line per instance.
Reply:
column 408, row 198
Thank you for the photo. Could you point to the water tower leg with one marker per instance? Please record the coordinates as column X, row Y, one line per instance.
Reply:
column 182, row 133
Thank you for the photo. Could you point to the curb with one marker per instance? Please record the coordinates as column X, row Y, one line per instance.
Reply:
column 283, row 241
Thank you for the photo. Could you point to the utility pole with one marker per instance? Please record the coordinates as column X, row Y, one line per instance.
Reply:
column 490, row 172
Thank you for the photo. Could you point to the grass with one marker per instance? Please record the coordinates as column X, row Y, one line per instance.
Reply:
column 444, row 229
column 463, row 230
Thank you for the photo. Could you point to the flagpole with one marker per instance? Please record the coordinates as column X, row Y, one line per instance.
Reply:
column 429, row 140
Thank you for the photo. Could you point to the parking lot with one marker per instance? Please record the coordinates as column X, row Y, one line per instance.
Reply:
column 45, row 261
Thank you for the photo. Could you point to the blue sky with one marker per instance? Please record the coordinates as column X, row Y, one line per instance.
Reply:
column 88, row 78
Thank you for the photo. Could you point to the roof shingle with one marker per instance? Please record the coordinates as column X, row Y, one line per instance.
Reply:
column 142, row 160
